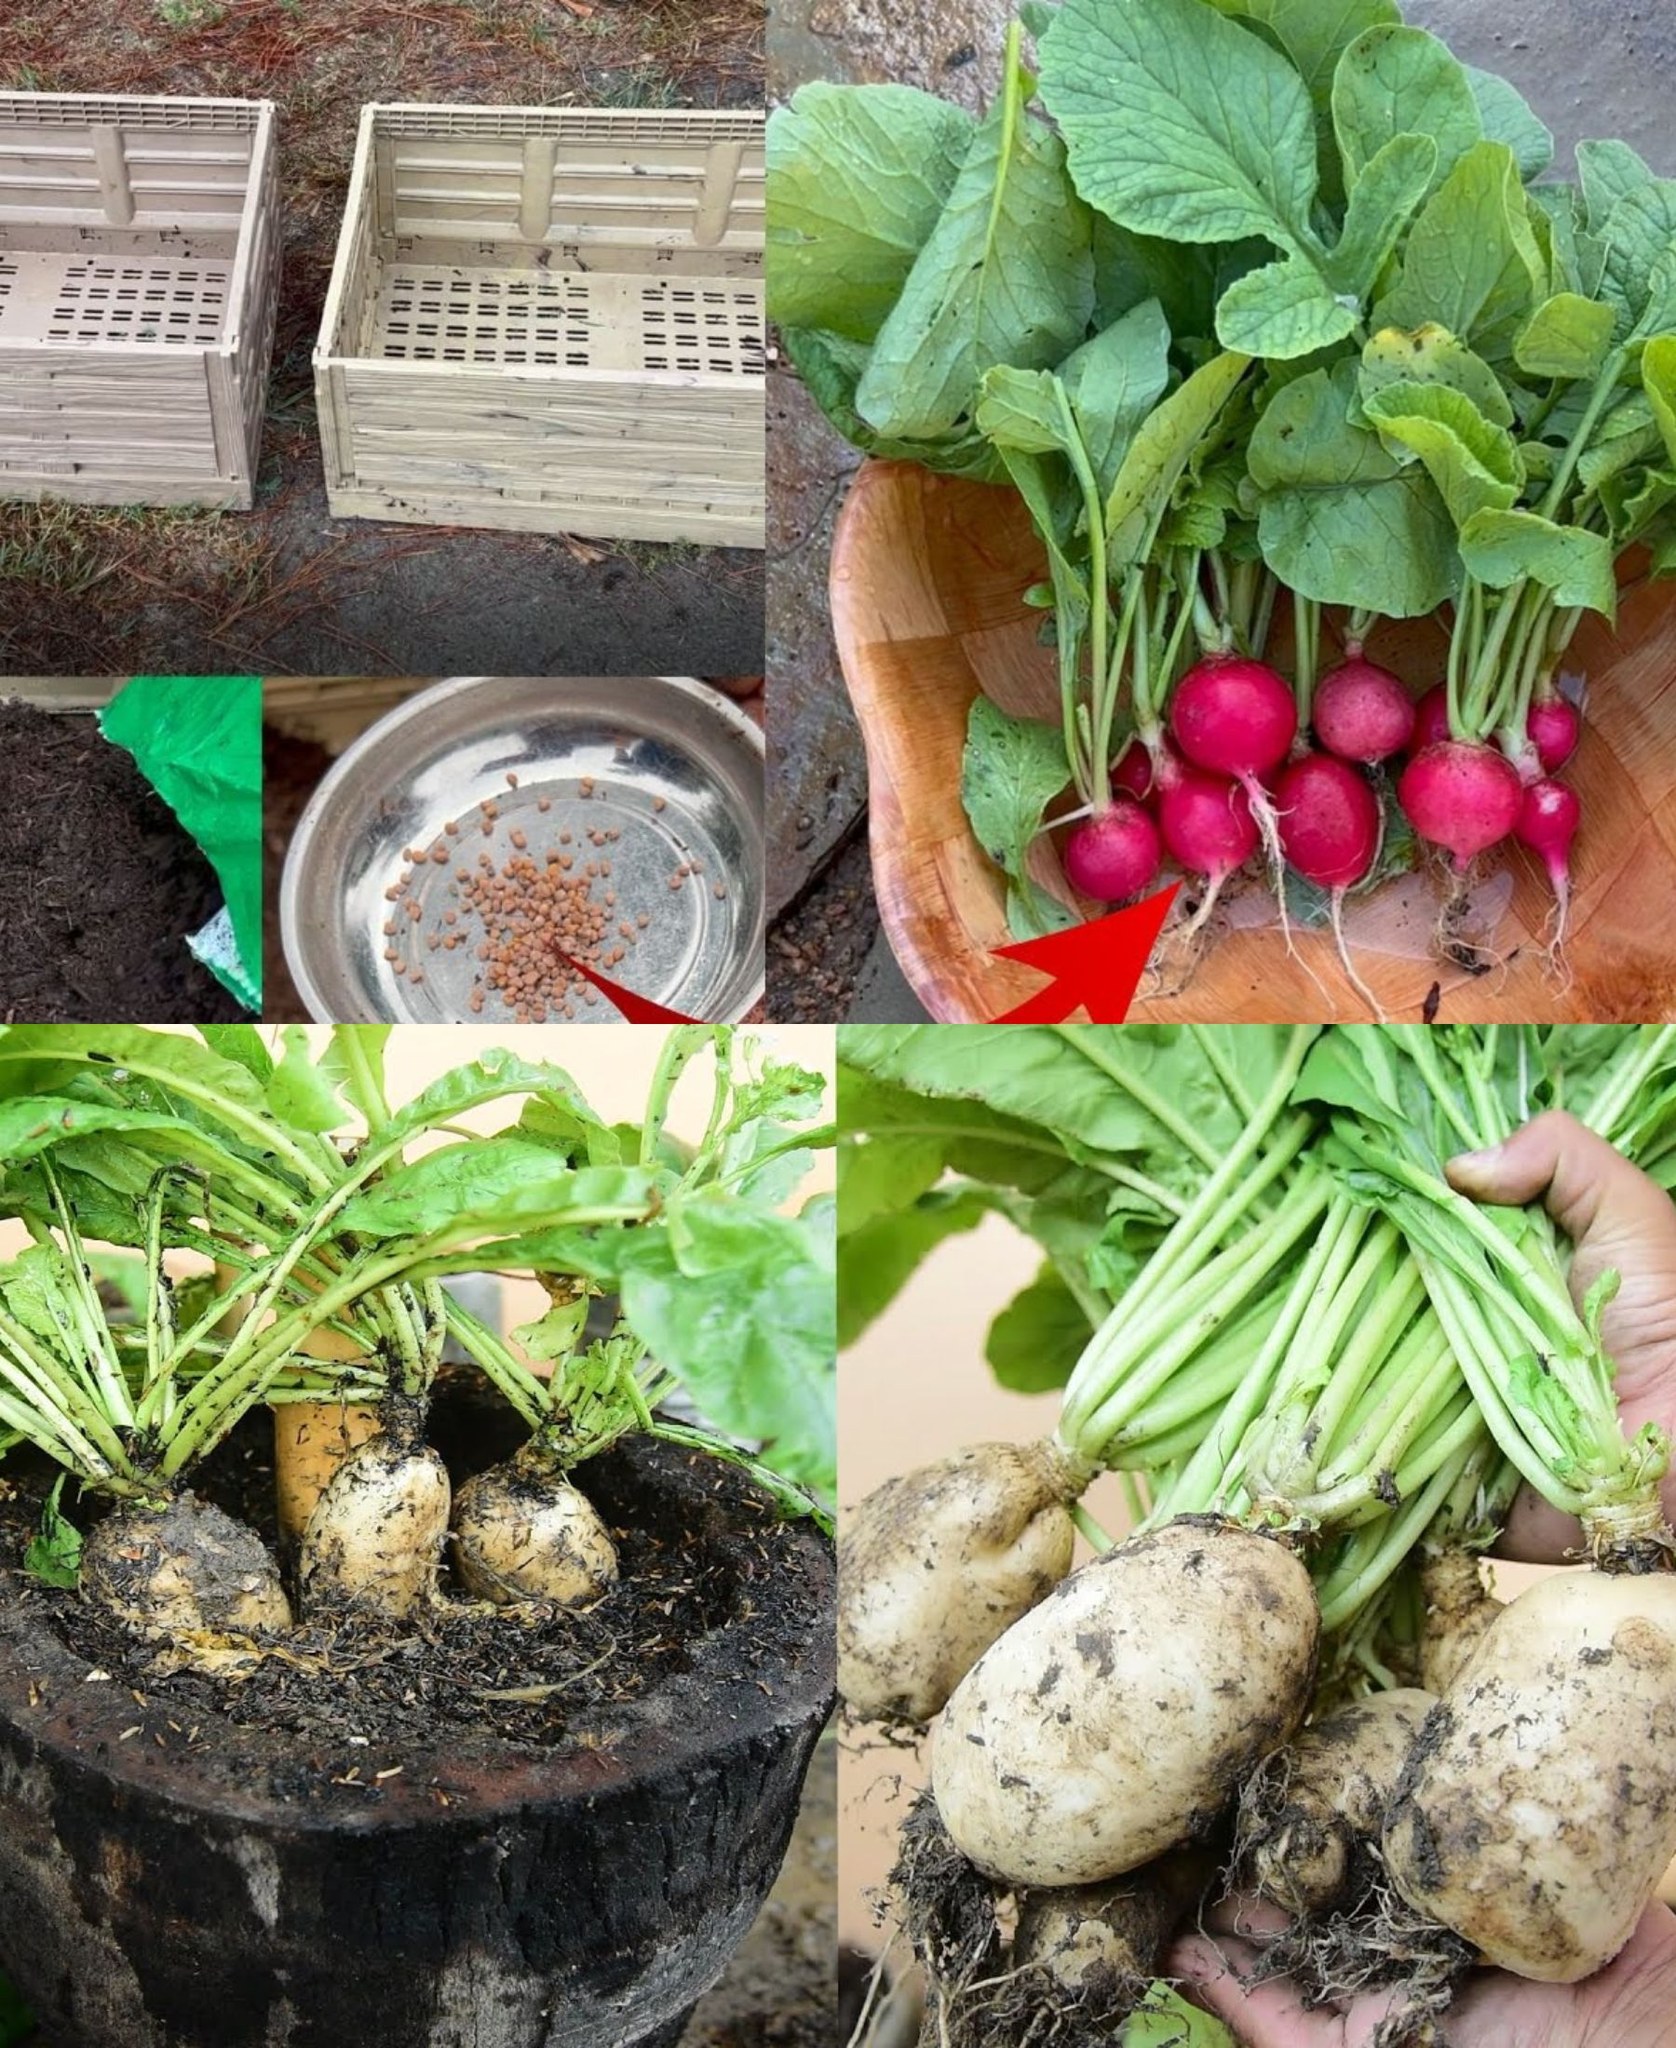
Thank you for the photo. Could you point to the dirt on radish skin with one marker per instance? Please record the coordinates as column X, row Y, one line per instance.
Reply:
column 186, row 1570
column 1119, row 1717
column 523, row 1533
column 934, row 1565
column 374, row 1541
column 1311, row 1814
column 1538, row 1811
column 1459, row 1610
column 1361, row 712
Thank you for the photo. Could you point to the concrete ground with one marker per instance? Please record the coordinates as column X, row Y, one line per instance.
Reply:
column 1589, row 67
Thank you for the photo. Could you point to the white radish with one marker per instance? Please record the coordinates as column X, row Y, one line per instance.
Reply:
column 1538, row 1811
column 934, row 1565
column 183, row 1569
column 525, row 1533
column 1459, row 1609
column 1120, row 1716
column 374, row 1540
column 1308, row 1812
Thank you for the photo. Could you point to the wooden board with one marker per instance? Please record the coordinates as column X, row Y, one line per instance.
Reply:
column 928, row 576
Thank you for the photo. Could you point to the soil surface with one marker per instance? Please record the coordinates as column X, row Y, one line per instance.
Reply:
column 330, row 1704
column 286, row 589
column 99, row 885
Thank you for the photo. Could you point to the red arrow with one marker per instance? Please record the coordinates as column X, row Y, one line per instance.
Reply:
column 636, row 1009
column 1094, row 967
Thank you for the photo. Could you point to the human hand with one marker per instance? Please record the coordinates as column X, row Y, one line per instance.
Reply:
column 1626, row 2005
column 1616, row 1218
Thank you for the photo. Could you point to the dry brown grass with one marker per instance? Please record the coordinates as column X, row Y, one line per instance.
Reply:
column 238, row 576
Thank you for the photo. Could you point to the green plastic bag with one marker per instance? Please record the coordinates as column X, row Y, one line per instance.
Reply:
column 198, row 742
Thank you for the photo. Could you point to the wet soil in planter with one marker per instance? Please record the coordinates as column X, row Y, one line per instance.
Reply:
column 99, row 886
column 353, row 1852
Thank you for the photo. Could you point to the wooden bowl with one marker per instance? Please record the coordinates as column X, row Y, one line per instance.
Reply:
column 928, row 576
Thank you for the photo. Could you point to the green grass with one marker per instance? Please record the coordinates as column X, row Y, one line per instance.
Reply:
column 191, row 13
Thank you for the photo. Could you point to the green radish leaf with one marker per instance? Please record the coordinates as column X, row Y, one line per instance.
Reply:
column 1567, row 336
column 1507, row 117
column 1129, row 269
column 1472, row 264
column 1011, row 770
column 1339, row 519
column 492, row 1076
column 877, row 1261
column 1500, row 548
column 1284, row 310
column 1007, row 276
column 1473, row 462
column 240, row 1042
column 1159, row 454
column 1393, row 81
column 889, row 1171
column 556, row 1334
column 492, row 1185
column 1031, row 912
column 1432, row 355
column 1628, row 435
column 1020, row 410
column 740, row 1305
column 54, row 1552
column 1658, row 380
column 1166, row 2020
column 1392, row 184
column 1634, row 501
column 300, row 1093
column 977, row 1139
column 1035, row 1342
column 1315, row 34
column 1113, row 382
column 857, row 178
column 831, row 368
column 1182, row 124
column 1607, row 173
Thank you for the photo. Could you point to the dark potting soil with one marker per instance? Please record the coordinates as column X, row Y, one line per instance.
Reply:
column 99, row 885
column 331, row 1705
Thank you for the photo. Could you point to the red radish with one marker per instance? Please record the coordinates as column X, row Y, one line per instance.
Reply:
column 1362, row 713
column 1133, row 774
column 1431, row 719
column 1115, row 855
column 1208, row 827
column 1329, row 821
column 1234, row 716
column 1553, row 727
column 1462, row 797
column 1548, row 820
column 1330, row 830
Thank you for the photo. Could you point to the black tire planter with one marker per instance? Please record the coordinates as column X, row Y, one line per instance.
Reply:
column 175, row 1898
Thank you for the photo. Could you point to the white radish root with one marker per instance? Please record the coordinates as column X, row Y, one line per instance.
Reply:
column 521, row 1533
column 374, row 1541
column 935, row 1565
column 1538, row 1811
column 1119, row 1717
column 1102, row 1944
column 184, row 1570
column 1309, row 1813
column 1459, row 1609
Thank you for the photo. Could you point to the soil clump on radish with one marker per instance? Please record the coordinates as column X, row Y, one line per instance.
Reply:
column 332, row 1703
column 99, row 885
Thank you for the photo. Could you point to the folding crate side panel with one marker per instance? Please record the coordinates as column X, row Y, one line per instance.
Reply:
column 121, row 227
column 551, row 320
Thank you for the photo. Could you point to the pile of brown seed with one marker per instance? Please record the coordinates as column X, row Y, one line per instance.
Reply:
column 527, row 914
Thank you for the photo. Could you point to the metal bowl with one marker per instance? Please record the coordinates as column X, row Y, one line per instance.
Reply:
column 675, row 768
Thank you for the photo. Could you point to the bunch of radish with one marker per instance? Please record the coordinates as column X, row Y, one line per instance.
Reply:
column 1315, row 1388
